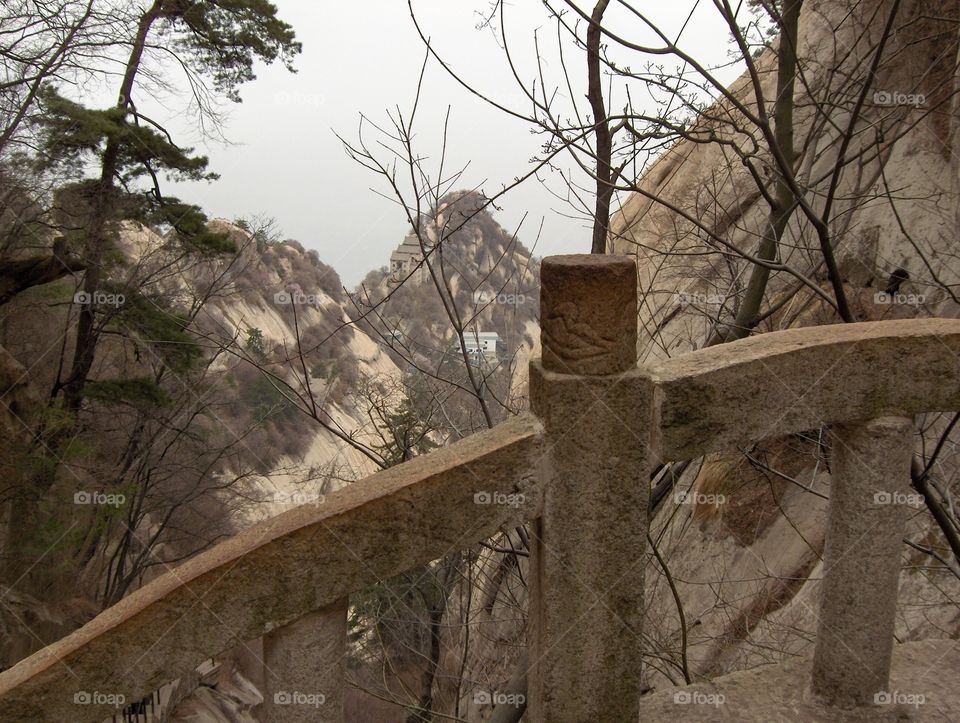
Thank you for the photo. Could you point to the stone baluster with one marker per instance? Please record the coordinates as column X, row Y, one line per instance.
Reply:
column 869, row 494
column 589, row 546
column 304, row 664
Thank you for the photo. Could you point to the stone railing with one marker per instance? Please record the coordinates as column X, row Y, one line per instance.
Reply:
column 581, row 465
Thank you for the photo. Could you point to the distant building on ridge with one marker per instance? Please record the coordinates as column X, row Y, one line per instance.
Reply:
column 406, row 256
column 482, row 346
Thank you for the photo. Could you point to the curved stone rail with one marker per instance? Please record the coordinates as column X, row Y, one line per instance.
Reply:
column 866, row 381
column 799, row 379
column 583, row 476
column 282, row 569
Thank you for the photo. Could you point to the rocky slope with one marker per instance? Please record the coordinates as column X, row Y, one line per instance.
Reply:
column 747, row 568
column 402, row 327
column 287, row 294
column 895, row 204
column 468, row 276
column 242, row 308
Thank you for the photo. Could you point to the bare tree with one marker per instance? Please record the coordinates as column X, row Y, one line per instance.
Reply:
column 798, row 149
column 426, row 312
column 43, row 41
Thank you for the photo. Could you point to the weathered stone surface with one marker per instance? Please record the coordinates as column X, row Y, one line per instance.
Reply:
column 304, row 663
column 587, row 561
column 586, row 591
column 588, row 313
column 19, row 400
column 780, row 693
column 584, row 473
column 800, row 379
column 283, row 568
column 868, row 511
column 684, row 276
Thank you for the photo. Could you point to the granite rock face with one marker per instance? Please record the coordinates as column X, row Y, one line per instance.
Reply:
column 687, row 279
column 744, row 533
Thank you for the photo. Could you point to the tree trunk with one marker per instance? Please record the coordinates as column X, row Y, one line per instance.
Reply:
column 601, row 218
column 424, row 710
column 784, row 202
column 96, row 242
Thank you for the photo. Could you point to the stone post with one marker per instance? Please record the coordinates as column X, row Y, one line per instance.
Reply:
column 589, row 546
column 869, row 494
column 304, row 667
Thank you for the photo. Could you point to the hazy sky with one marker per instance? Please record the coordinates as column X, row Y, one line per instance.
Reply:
column 284, row 160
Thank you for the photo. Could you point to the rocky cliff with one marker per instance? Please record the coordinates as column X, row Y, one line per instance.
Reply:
column 744, row 544
column 460, row 277
column 181, row 429
column 698, row 207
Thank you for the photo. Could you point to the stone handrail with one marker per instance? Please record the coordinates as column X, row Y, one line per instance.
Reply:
column 578, row 467
column 800, row 379
column 281, row 569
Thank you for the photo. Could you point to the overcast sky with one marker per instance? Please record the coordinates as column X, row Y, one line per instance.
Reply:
column 284, row 160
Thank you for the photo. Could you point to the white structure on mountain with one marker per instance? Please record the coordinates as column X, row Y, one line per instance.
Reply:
column 482, row 345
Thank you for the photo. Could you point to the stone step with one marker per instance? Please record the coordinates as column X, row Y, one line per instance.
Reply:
column 924, row 686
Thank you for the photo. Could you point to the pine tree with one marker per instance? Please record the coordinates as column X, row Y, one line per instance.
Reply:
column 216, row 39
